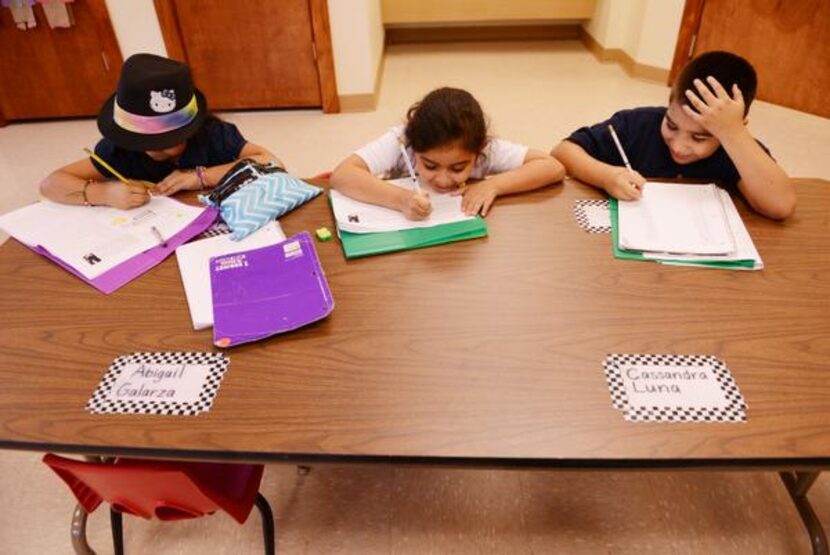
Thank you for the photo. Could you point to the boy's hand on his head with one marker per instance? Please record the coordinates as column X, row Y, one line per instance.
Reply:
column 417, row 206
column 625, row 185
column 125, row 196
column 718, row 113
column 178, row 181
column 478, row 198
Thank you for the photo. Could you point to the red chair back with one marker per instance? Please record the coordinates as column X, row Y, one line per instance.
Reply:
column 167, row 490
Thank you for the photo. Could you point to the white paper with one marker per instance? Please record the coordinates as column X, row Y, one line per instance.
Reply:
column 597, row 216
column 676, row 218
column 673, row 386
column 171, row 383
column 93, row 240
column 361, row 217
column 194, row 266
column 744, row 247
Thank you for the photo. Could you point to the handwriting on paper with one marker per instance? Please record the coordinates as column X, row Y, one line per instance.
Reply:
column 170, row 382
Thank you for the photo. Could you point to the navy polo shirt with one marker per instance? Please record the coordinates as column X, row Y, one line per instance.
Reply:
column 639, row 133
column 218, row 142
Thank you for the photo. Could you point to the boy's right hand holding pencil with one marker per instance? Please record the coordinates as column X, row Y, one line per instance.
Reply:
column 624, row 184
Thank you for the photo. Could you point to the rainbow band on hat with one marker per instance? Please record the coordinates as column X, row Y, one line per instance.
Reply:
column 154, row 125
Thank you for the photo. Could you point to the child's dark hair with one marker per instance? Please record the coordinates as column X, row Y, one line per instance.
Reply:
column 444, row 116
column 726, row 67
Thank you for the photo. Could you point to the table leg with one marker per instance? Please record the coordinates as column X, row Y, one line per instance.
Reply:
column 798, row 484
column 78, row 532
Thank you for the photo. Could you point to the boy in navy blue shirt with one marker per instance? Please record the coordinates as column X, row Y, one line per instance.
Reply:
column 701, row 134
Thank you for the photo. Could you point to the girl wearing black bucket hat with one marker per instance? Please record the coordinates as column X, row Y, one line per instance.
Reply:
column 159, row 135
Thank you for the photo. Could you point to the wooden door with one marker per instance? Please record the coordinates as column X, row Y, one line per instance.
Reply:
column 51, row 73
column 786, row 42
column 254, row 54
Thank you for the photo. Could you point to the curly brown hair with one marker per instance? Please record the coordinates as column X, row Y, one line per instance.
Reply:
column 445, row 116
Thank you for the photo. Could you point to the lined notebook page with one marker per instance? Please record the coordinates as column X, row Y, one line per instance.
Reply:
column 676, row 218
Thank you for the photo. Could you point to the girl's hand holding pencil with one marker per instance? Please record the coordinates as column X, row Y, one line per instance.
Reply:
column 113, row 171
column 123, row 196
column 416, row 205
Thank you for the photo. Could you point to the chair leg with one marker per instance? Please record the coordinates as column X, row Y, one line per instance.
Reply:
column 268, row 534
column 78, row 532
column 117, row 525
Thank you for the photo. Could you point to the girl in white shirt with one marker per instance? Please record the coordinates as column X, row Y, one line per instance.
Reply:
column 446, row 136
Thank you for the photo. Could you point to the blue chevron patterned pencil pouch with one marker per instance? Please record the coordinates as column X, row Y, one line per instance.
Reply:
column 251, row 195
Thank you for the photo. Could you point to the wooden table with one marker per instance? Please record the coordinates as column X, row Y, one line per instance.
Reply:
column 480, row 353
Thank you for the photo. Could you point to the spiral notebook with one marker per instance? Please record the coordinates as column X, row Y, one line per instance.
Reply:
column 267, row 291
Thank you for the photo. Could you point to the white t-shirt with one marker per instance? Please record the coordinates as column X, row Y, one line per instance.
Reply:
column 383, row 156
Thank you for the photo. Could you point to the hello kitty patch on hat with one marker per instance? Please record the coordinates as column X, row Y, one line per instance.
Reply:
column 163, row 101
column 155, row 105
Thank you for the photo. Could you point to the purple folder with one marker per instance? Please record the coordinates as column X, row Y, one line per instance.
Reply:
column 130, row 269
column 263, row 292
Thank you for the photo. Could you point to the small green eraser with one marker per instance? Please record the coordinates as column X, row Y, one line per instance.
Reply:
column 323, row 234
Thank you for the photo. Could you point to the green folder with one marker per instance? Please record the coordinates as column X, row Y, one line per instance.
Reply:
column 636, row 255
column 356, row 245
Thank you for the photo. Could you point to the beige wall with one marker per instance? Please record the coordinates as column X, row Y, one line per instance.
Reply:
column 136, row 27
column 645, row 29
column 356, row 29
column 450, row 12
column 357, row 40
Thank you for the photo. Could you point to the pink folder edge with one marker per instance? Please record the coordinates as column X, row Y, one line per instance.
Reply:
column 128, row 270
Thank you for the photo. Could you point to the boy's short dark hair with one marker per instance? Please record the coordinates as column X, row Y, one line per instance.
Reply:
column 726, row 67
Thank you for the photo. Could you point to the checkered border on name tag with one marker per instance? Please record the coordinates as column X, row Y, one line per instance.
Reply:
column 735, row 411
column 218, row 362
column 584, row 221
column 218, row 228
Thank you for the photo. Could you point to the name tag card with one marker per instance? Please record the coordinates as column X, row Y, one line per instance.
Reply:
column 183, row 384
column 673, row 388
column 594, row 215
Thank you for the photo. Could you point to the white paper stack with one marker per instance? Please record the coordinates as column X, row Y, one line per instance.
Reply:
column 681, row 223
column 194, row 266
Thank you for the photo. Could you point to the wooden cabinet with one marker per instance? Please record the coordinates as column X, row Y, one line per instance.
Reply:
column 785, row 41
column 254, row 54
column 52, row 73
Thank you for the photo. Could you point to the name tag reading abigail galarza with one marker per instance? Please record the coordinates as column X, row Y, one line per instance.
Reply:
column 160, row 383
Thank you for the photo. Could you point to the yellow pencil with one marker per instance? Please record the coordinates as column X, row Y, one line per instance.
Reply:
column 113, row 170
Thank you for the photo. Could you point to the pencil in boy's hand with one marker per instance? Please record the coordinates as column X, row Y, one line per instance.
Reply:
column 619, row 147
column 113, row 171
column 409, row 168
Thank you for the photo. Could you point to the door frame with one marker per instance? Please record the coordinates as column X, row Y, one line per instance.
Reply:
column 321, row 37
column 686, row 38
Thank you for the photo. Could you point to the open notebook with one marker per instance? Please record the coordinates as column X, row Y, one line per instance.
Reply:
column 107, row 247
column 355, row 216
column 366, row 229
column 676, row 218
